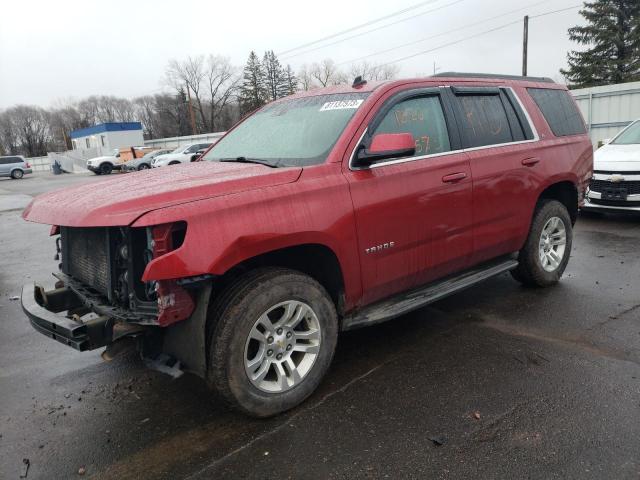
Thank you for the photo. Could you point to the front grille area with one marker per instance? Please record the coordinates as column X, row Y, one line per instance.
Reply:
column 614, row 203
column 632, row 186
column 86, row 256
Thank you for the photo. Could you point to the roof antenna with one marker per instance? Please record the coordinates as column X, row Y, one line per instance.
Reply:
column 358, row 82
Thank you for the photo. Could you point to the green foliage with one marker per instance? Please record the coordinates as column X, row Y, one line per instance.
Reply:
column 253, row 91
column 612, row 36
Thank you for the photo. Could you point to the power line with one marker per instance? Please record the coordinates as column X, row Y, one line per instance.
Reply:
column 500, row 27
column 474, row 24
column 366, row 24
column 556, row 11
column 452, row 43
column 369, row 31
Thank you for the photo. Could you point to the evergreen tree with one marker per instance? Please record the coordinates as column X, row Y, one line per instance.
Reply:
column 613, row 35
column 253, row 91
column 276, row 78
column 292, row 81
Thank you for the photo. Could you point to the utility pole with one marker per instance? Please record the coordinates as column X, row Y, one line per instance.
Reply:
column 525, row 44
column 191, row 114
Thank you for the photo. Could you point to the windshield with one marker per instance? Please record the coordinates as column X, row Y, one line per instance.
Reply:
column 294, row 132
column 629, row 136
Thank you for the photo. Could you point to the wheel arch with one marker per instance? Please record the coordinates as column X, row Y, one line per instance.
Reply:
column 566, row 192
column 317, row 260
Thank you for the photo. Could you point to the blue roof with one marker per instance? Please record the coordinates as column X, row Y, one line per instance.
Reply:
column 106, row 127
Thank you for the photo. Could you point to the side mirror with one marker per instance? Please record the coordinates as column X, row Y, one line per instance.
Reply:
column 385, row 146
column 606, row 141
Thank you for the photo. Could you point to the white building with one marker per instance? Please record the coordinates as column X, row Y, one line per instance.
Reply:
column 104, row 138
column 608, row 109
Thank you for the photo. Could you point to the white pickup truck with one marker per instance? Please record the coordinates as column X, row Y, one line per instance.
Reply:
column 104, row 165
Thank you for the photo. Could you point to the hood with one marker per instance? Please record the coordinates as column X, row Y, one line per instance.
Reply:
column 617, row 158
column 120, row 200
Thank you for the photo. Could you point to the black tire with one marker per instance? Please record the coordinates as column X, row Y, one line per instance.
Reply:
column 17, row 174
column 174, row 163
column 233, row 315
column 144, row 166
column 530, row 271
column 106, row 169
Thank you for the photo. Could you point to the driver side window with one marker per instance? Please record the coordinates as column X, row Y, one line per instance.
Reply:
column 423, row 118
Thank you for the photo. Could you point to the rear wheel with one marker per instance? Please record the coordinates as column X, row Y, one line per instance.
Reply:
column 17, row 174
column 273, row 334
column 144, row 166
column 545, row 255
column 106, row 169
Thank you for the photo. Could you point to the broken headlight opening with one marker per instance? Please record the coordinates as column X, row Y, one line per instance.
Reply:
column 109, row 263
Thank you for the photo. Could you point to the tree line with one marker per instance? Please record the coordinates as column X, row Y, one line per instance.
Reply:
column 218, row 93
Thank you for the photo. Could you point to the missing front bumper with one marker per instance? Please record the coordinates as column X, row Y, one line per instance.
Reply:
column 56, row 314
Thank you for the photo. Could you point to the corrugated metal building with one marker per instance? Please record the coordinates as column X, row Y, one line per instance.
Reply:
column 608, row 109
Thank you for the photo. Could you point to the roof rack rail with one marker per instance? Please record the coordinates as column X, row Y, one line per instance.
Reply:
column 494, row 75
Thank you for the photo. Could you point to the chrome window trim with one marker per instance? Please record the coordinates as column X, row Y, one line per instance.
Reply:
column 535, row 138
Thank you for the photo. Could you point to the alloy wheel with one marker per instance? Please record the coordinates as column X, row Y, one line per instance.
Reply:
column 552, row 245
column 282, row 346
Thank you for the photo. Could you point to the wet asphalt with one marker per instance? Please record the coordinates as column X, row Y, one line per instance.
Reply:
column 498, row 381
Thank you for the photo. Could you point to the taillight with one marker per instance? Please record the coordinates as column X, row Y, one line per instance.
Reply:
column 28, row 165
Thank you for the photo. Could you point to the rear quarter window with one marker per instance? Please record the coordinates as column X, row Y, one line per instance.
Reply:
column 9, row 160
column 484, row 120
column 559, row 110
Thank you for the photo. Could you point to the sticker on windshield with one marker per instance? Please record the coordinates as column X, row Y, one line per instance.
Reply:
column 341, row 105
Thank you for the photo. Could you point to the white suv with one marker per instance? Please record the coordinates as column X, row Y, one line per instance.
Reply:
column 182, row 154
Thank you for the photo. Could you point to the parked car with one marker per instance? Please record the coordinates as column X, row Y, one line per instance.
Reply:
column 182, row 154
column 14, row 166
column 616, row 177
column 325, row 211
column 105, row 164
column 144, row 163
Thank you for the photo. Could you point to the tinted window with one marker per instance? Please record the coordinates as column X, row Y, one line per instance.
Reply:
column 484, row 120
column 424, row 119
column 9, row 160
column 559, row 111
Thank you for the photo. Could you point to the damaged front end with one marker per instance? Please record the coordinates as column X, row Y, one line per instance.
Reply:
column 102, row 295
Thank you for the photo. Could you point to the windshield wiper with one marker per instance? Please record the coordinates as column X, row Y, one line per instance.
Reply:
column 248, row 160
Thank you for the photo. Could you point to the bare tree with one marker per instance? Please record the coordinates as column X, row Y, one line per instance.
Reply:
column 305, row 78
column 190, row 74
column 31, row 129
column 327, row 73
column 222, row 80
column 374, row 72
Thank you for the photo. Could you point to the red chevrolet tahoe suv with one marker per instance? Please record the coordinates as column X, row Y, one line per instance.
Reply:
column 324, row 211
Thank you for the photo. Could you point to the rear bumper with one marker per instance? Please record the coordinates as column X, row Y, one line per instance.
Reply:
column 46, row 312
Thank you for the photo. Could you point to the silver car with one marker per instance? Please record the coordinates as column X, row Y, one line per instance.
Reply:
column 14, row 166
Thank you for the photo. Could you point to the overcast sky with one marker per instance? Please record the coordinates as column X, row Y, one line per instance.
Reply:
column 56, row 50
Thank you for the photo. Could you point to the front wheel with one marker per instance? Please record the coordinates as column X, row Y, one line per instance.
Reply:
column 273, row 334
column 144, row 166
column 545, row 255
column 106, row 169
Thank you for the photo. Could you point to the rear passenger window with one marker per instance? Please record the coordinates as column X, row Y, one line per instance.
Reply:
column 423, row 118
column 559, row 111
column 10, row 160
column 484, row 120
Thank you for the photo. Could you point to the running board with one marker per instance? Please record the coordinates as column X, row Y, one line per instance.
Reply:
column 412, row 300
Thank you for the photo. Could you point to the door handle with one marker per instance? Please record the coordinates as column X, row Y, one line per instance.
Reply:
column 454, row 177
column 530, row 162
